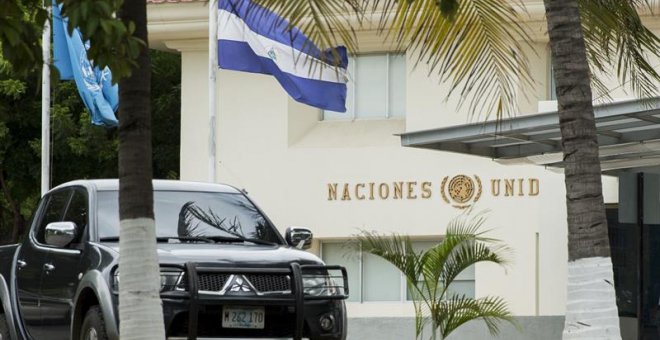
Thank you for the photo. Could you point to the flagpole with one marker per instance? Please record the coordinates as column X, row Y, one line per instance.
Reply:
column 45, row 106
column 213, row 64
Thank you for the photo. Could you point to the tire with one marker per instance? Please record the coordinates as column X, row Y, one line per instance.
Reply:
column 344, row 321
column 93, row 326
column 4, row 328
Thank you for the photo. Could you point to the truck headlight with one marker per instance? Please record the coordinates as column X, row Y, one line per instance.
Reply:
column 170, row 279
column 319, row 285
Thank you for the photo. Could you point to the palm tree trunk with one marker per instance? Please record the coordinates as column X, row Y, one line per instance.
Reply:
column 140, row 310
column 591, row 304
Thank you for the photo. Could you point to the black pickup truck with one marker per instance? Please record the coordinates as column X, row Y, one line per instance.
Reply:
column 226, row 272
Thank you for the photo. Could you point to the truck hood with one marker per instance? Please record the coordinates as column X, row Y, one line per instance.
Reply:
column 230, row 254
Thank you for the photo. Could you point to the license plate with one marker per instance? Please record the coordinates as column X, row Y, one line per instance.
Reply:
column 243, row 317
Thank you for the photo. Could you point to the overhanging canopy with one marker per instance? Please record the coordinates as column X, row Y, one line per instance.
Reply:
column 628, row 135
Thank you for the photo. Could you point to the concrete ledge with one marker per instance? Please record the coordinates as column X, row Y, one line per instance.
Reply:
column 531, row 327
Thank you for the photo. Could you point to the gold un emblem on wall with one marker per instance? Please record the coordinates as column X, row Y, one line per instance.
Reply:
column 462, row 190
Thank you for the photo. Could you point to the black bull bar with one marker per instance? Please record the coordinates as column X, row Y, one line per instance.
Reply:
column 296, row 298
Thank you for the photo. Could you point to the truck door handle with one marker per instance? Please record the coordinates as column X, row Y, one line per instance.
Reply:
column 48, row 267
column 20, row 264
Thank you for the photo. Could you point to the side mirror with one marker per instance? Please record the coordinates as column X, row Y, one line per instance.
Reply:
column 60, row 234
column 299, row 237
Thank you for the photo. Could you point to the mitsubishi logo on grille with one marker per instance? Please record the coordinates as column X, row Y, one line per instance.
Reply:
column 238, row 285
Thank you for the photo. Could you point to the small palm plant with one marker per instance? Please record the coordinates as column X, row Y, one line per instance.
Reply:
column 430, row 274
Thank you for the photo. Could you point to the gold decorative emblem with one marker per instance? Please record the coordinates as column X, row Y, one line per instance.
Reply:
column 462, row 189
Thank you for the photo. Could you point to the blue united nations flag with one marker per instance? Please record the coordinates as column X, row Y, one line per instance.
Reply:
column 95, row 86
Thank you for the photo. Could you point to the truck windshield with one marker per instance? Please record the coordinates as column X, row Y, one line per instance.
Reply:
column 193, row 214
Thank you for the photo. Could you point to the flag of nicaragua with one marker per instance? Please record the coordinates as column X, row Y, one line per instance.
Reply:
column 95, row 86
column 254, row 39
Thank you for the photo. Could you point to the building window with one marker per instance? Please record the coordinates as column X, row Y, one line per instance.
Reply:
column 371, row 279
column 376, row 88
column 347, row 255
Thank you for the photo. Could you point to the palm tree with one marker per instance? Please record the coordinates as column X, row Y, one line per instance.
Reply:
column 140, row 310
column 590, row 272
column 121, row 43
column 430, row 274
column 588, row 245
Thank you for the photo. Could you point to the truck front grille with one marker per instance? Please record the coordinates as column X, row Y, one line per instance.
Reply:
column 270, row 283
column 263, row 283
column 212, row 282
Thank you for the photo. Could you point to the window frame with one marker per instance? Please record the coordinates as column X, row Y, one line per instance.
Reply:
column 39, row 223
column 83, row 231
column 352, row 70
column 403, row 294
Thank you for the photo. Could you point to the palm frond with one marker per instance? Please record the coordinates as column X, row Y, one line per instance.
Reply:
column 186, row 226
column 459, row 310
column 422, row 316
column 464, row 245
column 327, row 23
column 469, row 223
column 468, row 254
column 459, row 230
column 395, row 249
column 475, row 45
column 617, row 39
column 191, row 215
column 430, row 273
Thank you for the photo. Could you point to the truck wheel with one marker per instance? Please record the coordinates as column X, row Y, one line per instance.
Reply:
column 4, row 329
column 93, row 326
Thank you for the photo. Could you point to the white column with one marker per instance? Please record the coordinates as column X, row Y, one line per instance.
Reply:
column 194, row 162
column 45, row 108
column 213, row 65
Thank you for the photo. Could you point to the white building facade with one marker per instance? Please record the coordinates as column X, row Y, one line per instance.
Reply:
column 338, row 174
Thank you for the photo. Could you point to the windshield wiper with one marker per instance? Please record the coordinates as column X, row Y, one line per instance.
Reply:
column 237, row 238
column 207, row 239
column 183, row 238
column 164, row 239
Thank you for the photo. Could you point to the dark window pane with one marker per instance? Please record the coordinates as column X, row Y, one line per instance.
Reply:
column 187, row 213
column 54, row 211
column 78, row 212
column 346, row 254
column 623, row 239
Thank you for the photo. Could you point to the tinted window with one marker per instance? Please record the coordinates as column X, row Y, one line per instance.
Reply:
column 182, row 213
column 78, row 212
column 54, row 211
